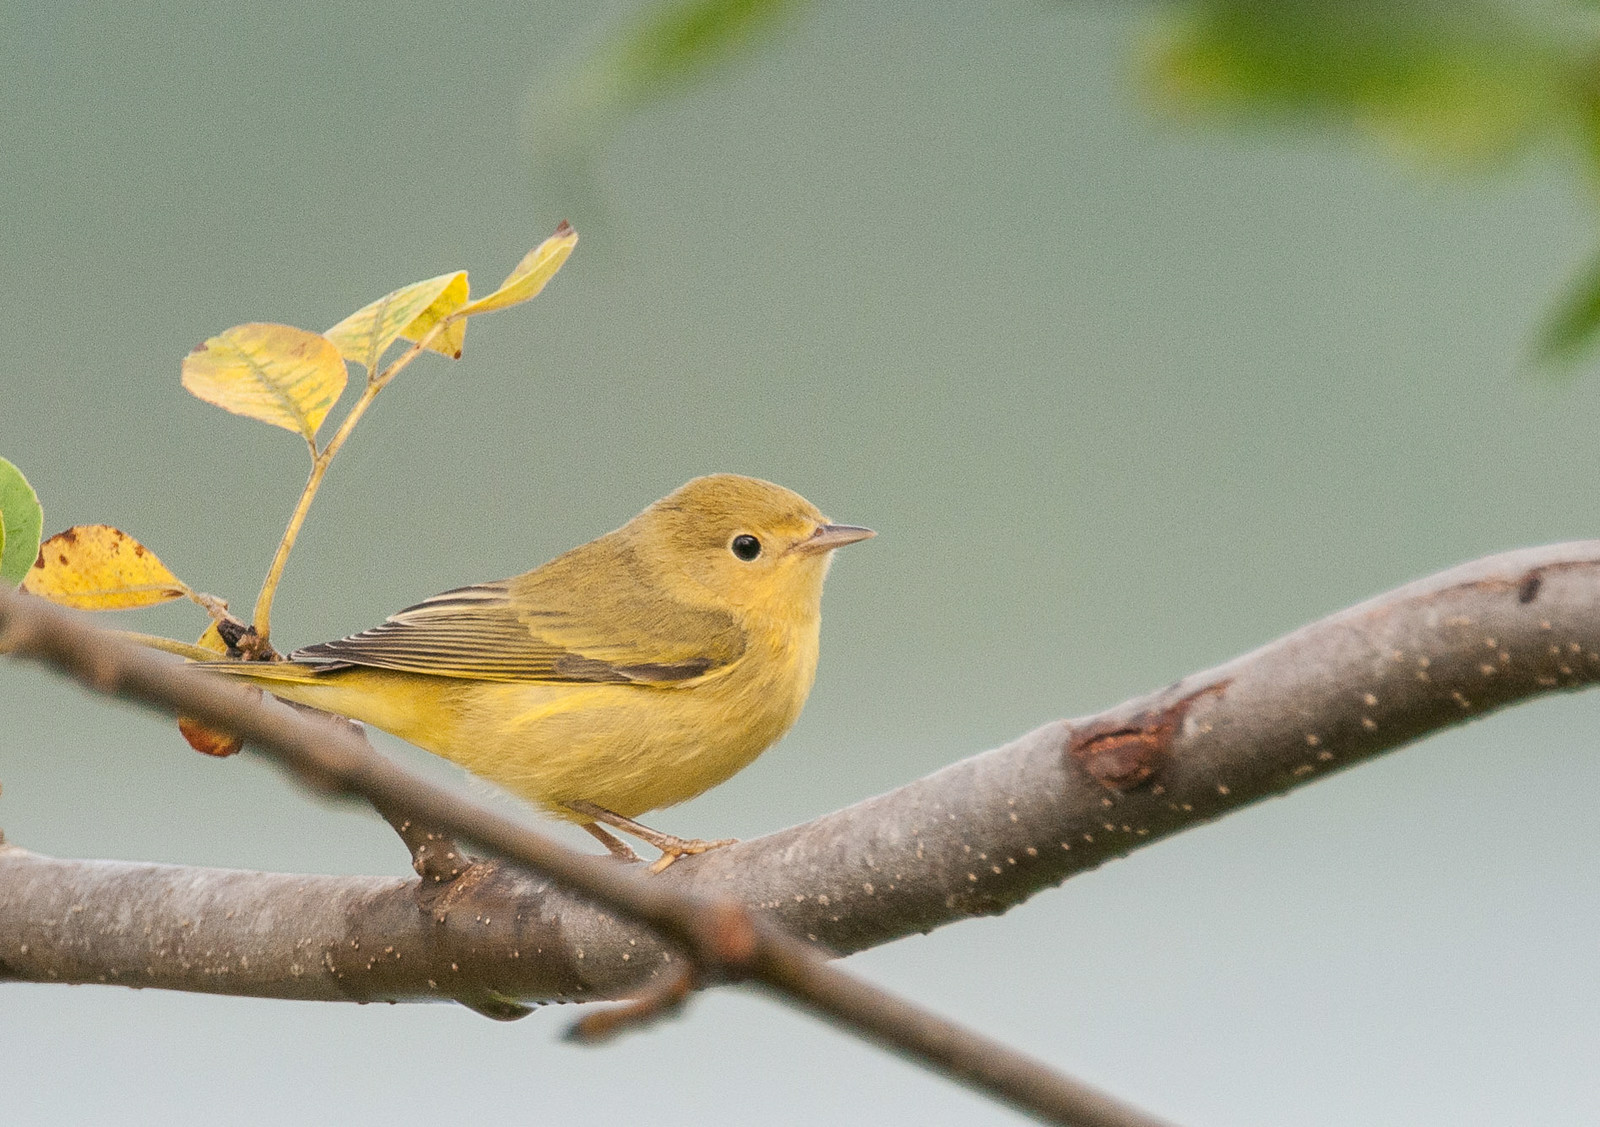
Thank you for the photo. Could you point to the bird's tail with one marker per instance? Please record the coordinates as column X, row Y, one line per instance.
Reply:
column 267, row 672
column 404, row 704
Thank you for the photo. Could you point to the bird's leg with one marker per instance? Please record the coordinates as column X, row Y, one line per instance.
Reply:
column 614, row 844
column 671, row 847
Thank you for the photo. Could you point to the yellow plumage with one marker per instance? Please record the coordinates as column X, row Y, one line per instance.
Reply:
column 626, row 675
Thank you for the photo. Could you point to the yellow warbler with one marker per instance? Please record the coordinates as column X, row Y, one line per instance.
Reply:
column 626, row 675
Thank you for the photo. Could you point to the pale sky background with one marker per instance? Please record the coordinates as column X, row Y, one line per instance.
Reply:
column 1123, row 396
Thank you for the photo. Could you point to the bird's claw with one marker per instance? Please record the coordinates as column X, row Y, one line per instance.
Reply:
column 680, row 847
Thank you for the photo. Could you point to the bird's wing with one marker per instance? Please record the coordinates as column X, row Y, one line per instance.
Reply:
column 526, row 629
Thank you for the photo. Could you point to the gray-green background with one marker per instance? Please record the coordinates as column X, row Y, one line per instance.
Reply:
column 1123, row 396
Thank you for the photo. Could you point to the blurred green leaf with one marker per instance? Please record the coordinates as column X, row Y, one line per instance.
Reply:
column 1462, row 82
column 664, row 48
column 21, row 523
column 1570, row 331
column 676, row 41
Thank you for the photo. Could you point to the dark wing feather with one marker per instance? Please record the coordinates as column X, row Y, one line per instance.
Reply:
column 572, row 620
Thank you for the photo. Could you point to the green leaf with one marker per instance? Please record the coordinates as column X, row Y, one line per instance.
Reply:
column 679, row 40
column 21, row 523
column 665, row 48
column 1571, row 329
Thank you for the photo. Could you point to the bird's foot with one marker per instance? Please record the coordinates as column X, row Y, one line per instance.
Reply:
column 671, row 847
column 674, row 847
column 614, row 844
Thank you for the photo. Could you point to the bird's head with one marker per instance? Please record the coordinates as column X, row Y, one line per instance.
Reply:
column 749, row 543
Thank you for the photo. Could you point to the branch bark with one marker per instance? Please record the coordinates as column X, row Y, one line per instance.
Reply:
column 724, row 940
column 974, row 838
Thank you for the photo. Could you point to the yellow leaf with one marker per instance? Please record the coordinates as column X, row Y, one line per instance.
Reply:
column 537, row 267
column 449, row 301
column 363, row 336
column 97, row 567
column 275, row 373
column 212, row 640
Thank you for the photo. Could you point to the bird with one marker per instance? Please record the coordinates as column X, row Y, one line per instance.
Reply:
column 626, row 675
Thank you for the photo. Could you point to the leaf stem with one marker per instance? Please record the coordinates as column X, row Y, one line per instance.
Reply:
column 320, row 461
column 169, row 645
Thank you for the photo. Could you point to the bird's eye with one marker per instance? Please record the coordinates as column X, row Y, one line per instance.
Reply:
column 746, row 547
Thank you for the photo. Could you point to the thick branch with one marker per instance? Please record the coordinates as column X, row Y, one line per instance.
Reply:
column 973, row 838
column 723, row 939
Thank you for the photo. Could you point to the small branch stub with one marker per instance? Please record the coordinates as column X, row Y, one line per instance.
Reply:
column 664, row 1000
column 1120, row 755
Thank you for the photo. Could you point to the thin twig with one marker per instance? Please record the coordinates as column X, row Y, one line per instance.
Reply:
column 662, row 1000
column 726, row 942
column 320, row 461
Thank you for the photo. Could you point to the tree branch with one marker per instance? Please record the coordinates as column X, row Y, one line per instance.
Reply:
column 974, row 838
column 725, row 941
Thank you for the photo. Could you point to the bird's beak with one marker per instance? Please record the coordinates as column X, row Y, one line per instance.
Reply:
column 831, row 536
